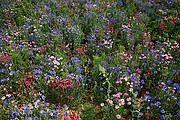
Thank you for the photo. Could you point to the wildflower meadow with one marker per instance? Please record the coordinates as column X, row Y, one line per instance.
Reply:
column 89, row 60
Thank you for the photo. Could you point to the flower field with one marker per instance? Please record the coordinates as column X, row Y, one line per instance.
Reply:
column 89, row 60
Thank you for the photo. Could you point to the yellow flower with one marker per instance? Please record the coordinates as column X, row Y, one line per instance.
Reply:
column 179, row 35
column 160, row 37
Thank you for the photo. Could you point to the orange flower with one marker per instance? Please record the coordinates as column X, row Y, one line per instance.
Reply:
column 179, row 35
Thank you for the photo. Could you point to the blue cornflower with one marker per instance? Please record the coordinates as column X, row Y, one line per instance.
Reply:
column 26, row 118
column 178, row 103
column 178, row 114
column 173, row 70
column 66, row 113
column 162, row 117
column 141, row 113
column 5, row 104
column 14, row 114
column 36, row 118
column 30, row 112
column 58, row 107
column 176, row 86
column 43, row 112
column 178, row 71
column 54, row 117
column 158, row 103
column 76, row 60
column 152, row 104
column 51, row 111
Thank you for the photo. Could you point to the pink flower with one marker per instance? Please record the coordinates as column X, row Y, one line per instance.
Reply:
column 138, row 71
column 118, row 116
column 126, row 94
column 9, row 37
column 128, row 99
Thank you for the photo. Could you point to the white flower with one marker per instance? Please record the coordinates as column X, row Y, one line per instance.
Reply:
column 117, row 107
column 3, row 98
column 102, row 104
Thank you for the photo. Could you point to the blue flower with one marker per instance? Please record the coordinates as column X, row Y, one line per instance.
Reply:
column 178, row 114
column 76, row 60
column 142, row 82
column 147, row 92
column 43, row 112
column 66, row 114
column 30, row 112
column 158, row 104
column 36, row 118
column 152, row 104
column 162, row 111
column 178, row 103
column 14, row 114
column 162, row 117
column 141, row 113
column 26, row 118
column 58, row 107
column 5, row 104
column 54, row 117
column 169, row 81
column 51, row 111
column 101, row 89
column 176, row 86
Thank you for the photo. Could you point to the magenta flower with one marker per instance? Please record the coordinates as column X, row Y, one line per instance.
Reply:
column 118, row 116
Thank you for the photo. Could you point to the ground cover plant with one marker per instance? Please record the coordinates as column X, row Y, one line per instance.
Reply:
column 89, row 59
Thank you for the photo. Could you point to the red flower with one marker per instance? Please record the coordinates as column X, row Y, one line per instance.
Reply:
column 147, row 116
column 179, row 79
column 149, row 72
column 28, row 83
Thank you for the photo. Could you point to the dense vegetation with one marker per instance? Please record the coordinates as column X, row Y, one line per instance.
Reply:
column 89, row 59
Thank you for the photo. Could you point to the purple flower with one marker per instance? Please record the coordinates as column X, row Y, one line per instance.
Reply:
column 178, row 103
column 162, row 111
column 101, row 89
